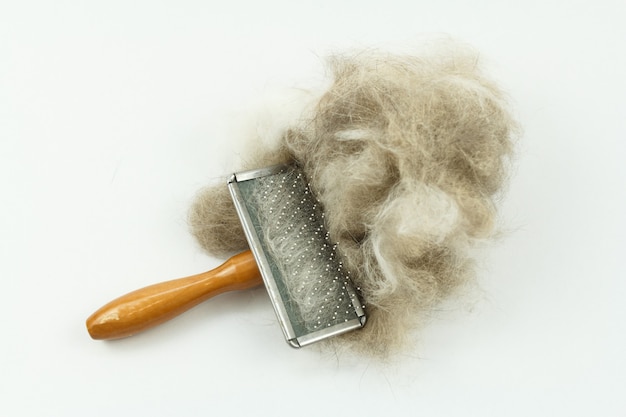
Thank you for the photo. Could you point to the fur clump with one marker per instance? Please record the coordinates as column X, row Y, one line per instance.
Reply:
column 406, row 154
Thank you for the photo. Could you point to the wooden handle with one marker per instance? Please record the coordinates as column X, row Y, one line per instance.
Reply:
column 153, row 305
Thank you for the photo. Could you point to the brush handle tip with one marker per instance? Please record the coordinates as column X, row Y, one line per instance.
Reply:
column 150, row 306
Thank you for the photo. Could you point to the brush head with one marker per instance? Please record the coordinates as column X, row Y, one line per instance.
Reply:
column 310, row 289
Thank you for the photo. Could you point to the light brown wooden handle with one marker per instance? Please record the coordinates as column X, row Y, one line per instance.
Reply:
column 145, row 308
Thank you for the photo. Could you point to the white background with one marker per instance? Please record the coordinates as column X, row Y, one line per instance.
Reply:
column 113, row 114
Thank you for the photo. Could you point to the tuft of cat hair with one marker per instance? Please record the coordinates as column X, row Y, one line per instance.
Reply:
column 407, row 154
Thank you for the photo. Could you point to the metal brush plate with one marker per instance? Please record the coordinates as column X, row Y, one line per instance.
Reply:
column 284, row 225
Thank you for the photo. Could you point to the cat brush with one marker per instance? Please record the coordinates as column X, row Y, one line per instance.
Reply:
column 290, row 252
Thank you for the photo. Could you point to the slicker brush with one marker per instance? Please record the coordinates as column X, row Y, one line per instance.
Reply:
column 291, row 250
column 408, row 155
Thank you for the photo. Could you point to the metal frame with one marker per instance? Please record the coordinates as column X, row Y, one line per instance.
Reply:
column 266, row 270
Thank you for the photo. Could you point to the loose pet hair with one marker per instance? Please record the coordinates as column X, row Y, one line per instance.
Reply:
column 407, row 154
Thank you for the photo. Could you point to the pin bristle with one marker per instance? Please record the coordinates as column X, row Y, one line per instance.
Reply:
column 292, row 223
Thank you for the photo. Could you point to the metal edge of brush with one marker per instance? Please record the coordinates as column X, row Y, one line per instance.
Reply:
column 257, row 251
column 266, row 271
